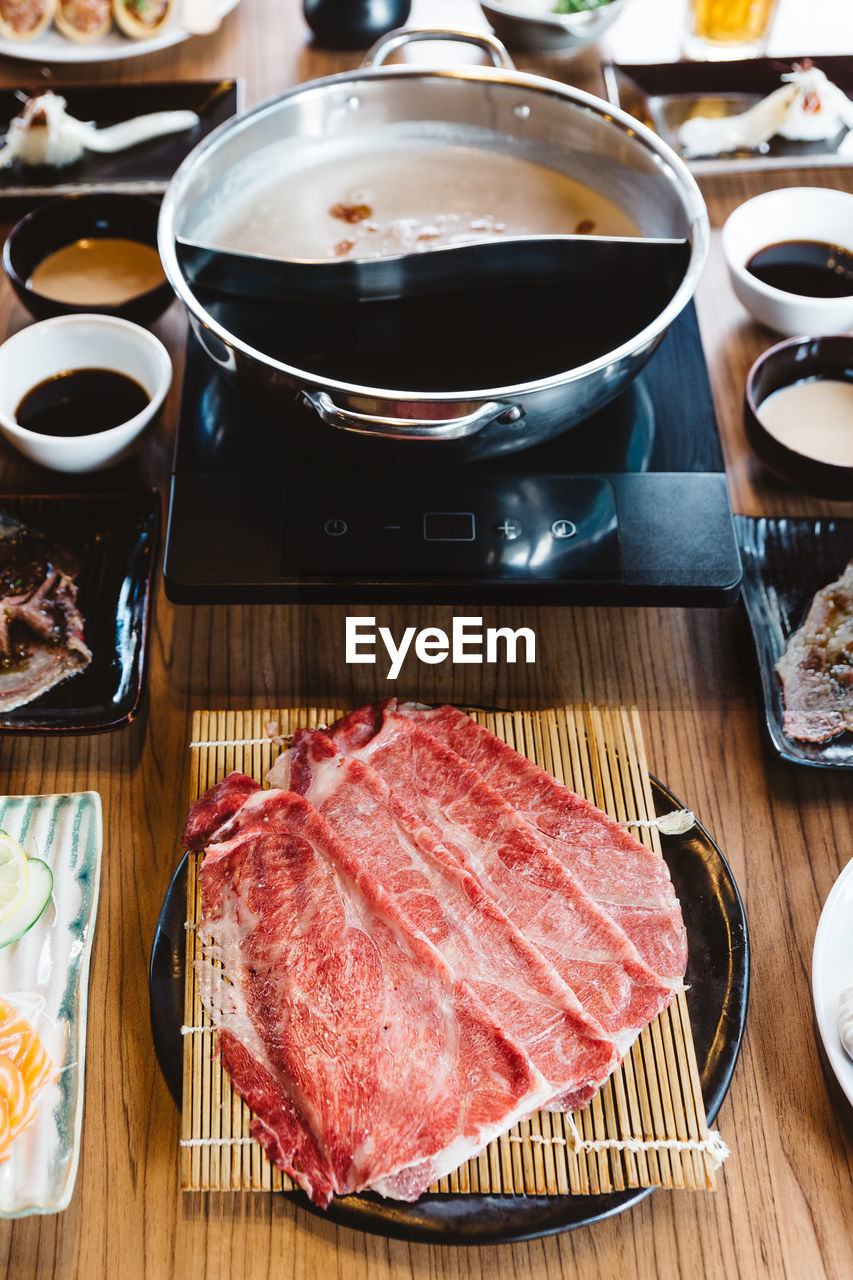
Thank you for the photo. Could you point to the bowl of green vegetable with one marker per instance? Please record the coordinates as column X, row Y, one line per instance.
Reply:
column 556, row 26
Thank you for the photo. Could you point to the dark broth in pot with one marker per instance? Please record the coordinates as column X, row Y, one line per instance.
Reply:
column 485, row 336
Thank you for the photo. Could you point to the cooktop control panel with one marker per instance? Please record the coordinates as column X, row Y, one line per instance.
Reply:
column 543, row 527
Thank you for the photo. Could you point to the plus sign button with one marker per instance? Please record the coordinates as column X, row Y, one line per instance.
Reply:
column 564, row 529
column 336, row 527
column 507, row 528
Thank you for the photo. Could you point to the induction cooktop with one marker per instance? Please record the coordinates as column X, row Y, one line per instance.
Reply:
column 631, row 507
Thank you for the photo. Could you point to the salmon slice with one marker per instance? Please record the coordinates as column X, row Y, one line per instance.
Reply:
column 5, row 1128
column 24, row 1070
column 14, row 1091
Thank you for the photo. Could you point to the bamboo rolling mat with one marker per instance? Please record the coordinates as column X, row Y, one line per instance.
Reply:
column 645, row 1128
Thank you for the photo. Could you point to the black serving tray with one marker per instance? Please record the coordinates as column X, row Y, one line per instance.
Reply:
column 784, row 563
column 663, row 95
column 114, row 539
column 144, row 169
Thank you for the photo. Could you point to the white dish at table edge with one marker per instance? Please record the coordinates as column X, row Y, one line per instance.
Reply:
column 832, row 971
column 53, row 47
column 45, row 975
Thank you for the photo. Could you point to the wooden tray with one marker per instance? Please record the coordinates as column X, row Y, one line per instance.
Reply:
column 645, row 1128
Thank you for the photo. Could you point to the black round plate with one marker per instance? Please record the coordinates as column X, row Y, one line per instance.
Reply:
column 718, row 978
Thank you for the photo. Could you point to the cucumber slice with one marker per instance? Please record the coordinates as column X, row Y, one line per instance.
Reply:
column 38, row 896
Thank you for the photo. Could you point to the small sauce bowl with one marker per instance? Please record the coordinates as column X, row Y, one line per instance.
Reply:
column 790, row 213
column 67, row 219
column 788, row 363
column 525, row 29
column 63, row 343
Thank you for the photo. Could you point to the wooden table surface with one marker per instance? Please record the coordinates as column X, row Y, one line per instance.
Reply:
column 785, row 1199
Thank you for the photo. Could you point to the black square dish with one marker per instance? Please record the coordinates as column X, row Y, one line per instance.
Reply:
column 144, row 169
column 785, row 562
column 664, row 95
column 114, row 538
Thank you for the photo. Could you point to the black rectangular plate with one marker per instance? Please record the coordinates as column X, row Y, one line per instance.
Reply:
column 114, row 539
column 145, row 169
column 663, row 94
column 784, row 563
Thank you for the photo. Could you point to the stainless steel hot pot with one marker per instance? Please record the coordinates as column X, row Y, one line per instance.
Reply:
column 570, row 130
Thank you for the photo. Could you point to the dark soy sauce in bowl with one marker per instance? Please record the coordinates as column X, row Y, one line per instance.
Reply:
column 81, row 402
column 810, row 268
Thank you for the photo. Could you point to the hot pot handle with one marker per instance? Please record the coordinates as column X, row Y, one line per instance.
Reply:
column 366, row 424
column 406, row 35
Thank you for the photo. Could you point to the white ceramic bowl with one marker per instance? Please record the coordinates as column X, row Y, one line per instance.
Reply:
column 791, row 213
column 80, row 342
column 535, row 28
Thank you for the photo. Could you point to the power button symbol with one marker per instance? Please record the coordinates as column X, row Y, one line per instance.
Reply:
column 335, row 527
column 564, row 529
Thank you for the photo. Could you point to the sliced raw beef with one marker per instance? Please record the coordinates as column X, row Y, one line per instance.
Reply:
column 445, row 904
column 816, row 668
column 617, row 871
column 365, row 1061
column 41, row 628
column 452, row 803
column 207, row 817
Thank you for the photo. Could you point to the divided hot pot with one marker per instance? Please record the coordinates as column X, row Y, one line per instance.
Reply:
column 471, row 372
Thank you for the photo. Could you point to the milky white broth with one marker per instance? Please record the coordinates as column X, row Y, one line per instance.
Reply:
column 814, row 417
column 403, row 198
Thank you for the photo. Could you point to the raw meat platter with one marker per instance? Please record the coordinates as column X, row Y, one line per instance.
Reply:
column 647, row 1126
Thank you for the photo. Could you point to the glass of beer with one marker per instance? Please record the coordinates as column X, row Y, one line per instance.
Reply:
column 718, row 29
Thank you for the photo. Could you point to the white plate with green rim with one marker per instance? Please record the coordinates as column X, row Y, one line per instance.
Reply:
column 45, row 975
